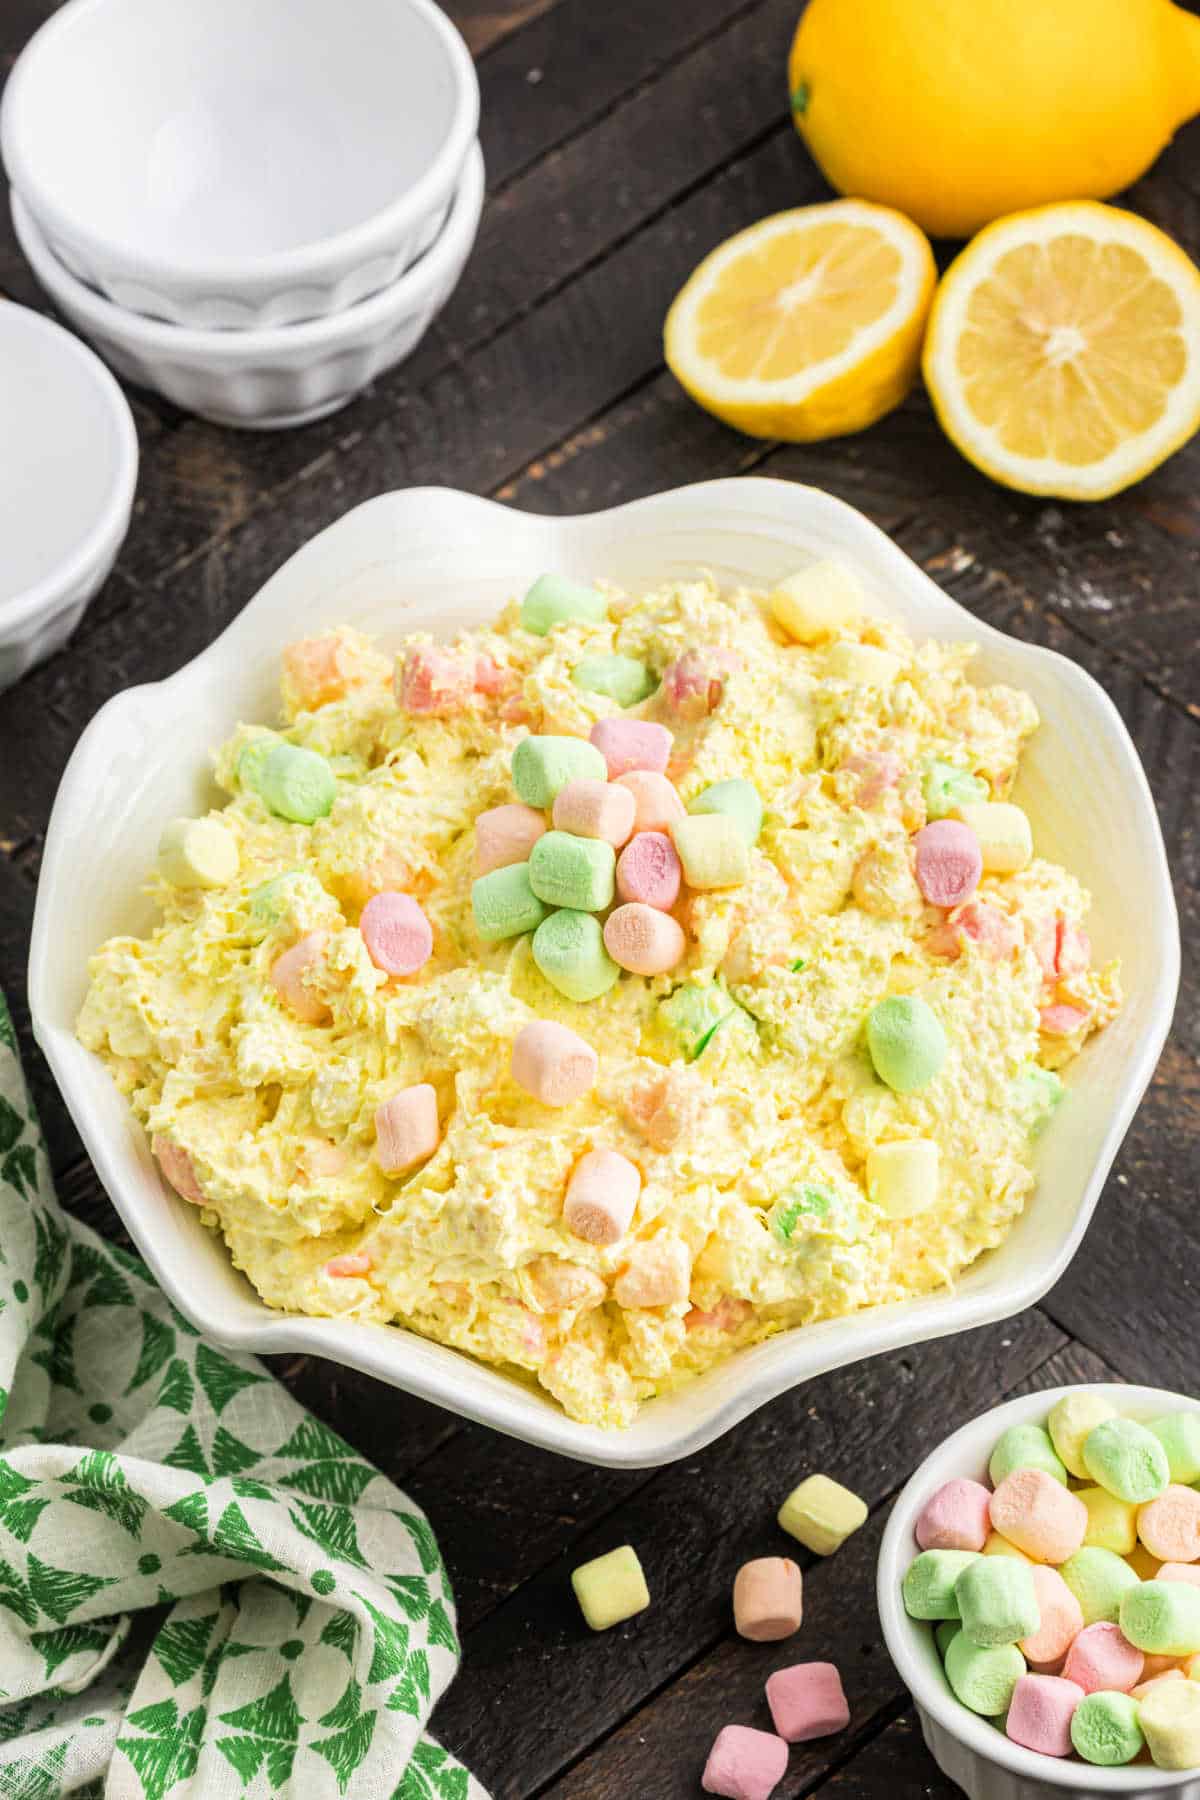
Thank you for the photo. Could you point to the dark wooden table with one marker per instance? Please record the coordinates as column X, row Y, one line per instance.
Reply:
column 622, row 143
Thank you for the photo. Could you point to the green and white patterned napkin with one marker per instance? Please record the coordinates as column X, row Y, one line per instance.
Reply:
column 203, row 1591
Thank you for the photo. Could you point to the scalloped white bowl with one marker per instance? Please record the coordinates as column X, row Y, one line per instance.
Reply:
column 438, row 560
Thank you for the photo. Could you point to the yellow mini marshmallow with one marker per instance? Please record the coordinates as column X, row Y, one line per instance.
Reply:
column 1072, row 1418
column 611, row 1588
column 902, row 1178
column 197, row 853
column 1191, row 1667
column 1005, row 836
column 863, row 665
column 1000, row 1546
column 1170, row 1722
column 712, row 850
column 821, row 1514
column 1112, row 1523
column 817, row 602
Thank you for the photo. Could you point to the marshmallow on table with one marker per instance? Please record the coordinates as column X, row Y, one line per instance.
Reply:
column 1162, row 1617
column 1170, row 1722
column 1039, row 1515
column 768, row 1600
column 398, row 936
column 629, row 744
column 568, row 948
column 1040, row 1714
column 738, row 800
column 288, row 973
column 644, row 940
column 601, row 1197
column 902, row 1178
column 1099, row 1580
column 1179, row 1435
column 595, row 809
column 406, row 1129
column 575, row 872
column 648, row 868
column 552, row 1062
column 817, row 602
column 197, row 853
column 505, row 835
column 956, row 1517
column 1102, row 1658
column 656, row 800
column 296, row 784
column 1024, row 1447
column 949, row 862
column 712, row 850
column 1060, row 1619
column 930, row 1583
column 807, row 1701
column 1123, row 1457
column 1003, row 833
column 983, row 1678
column 821, row 1514
column 504, row 903
column 620, row 678
column 744, row 1764
column 1105, row 1729
column 997, row 1602
column 543, row 765
column 1070, row 1421
column 1169, row 1526
column 553, row 600
column 611, row 1588
column 1112, row 1523
column 906, row 1042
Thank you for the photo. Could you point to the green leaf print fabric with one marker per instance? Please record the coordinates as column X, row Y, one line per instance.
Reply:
column 204, row 1592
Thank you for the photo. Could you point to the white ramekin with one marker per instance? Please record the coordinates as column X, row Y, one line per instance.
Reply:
column 219, row 164
column 435, row 560
column 278, row 376
column 68, row 470
column 973, row 1751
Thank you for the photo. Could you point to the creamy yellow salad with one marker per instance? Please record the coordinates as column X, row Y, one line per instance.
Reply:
column 828, row 1100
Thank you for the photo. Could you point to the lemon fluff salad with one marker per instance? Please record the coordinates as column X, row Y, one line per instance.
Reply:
column 613, row 987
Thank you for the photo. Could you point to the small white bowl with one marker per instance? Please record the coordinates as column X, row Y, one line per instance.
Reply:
column 68, row 470
column 282, row 375
column 223, row 164
column 971, row 1750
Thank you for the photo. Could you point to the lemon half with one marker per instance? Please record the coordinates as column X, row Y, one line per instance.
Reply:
column 806, row 325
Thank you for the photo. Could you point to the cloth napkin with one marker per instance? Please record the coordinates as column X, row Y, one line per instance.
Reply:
column 204, row 1592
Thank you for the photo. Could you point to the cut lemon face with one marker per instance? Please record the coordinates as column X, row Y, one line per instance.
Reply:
column 1063, row 353
column 806, row 325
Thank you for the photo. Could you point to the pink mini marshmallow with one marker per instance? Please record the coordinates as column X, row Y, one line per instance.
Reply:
column 505, row 835
column 744, row 1764
column 1062, row 949
column 656, row 800
column 657, row 1274
column 406, row 1129
column 398, row 936
column 692, row 686
column 877, row 771
column 643, row 940
column 768, row 1600
column 1170, row 1571
column 726, row 1315
column 490, row 678
column 956, row 1517
column 628, row 744
column 1103, row 1659
column 552, row 1062
column 354, row 1262
column 1039, row 1515
column 595, row 809
column 949, row 862
column 1170, row 1526
column 1061, row 1019
column 601, row 1196
column 434, row 683
column 287, row 978
column 978, row 923
column 1060, row 1619
column 1040, row 1713
column 176, row 1165
column 807, row 1701
column 649, row 870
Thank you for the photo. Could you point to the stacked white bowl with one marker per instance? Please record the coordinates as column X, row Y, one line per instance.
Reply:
column 254, row 209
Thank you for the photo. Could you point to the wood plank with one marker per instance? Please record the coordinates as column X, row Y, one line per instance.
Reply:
column 895, row 1763
column 485, row 23
column 533, row 1659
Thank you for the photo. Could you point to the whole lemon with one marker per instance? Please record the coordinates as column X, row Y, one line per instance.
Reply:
column 958, row 111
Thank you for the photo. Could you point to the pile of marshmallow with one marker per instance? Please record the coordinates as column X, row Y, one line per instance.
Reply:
column 1066, row 1598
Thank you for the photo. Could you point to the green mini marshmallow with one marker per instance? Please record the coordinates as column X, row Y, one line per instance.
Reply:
column 1105, row 1729
column 738, row 800
column 1127, row 1460
column 805, row 1201
column 693, row 1013
column 946, row 789
column 1025, row 1447
column 930, row 1582
column 1099, row 1580
column 1037, row 1094
column 983, row 1678
column 505, row 904
column 543, row 765
column 1179, row 1435
column 620, row 678
column 1162, row 1618
column 553, row 600
column 296, row 784
column 273, row 901
column 251, row 758
column 576, row 872
column 568, row 948
column 997, row 1601
column 944, row 1635
column 906, row 1042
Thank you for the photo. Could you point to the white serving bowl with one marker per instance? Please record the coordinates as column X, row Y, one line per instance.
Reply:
column 218, row 163
column 972, row 1751
column 68, row 470
column 437, row 560
column 281, row 375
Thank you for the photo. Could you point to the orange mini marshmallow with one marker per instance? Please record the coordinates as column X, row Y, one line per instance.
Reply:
column 601, row 1196
column 1039, row 1515
column 658, row 1273
column 657, row 804
column 353, row 1262
column 505, row 835
column 552, row 1062
column 595, row 809
column 176, row 1165
column 287, row 978
column 1143, row 1687
column 406, row 1129
column 768, row 1599
column 1169, row 1526
column 644, row 940
column 1061, row 1619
